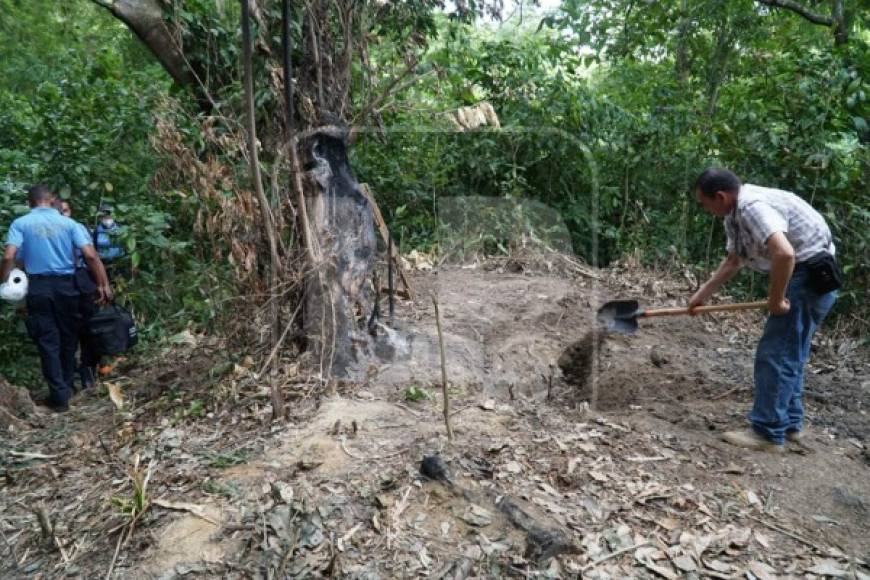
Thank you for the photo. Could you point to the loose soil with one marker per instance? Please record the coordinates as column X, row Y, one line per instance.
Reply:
column 610, row 443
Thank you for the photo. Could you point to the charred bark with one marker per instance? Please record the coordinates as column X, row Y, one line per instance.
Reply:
column 338, row 298
column 335, row 217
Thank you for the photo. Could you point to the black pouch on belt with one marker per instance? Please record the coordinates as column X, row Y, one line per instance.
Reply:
column 824, row 273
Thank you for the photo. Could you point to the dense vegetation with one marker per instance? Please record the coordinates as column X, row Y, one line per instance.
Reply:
column 606, row 110
column 780, row 105
column 78, row 99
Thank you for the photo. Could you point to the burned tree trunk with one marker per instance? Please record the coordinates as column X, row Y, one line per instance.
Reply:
column 339, row 298
column 335, row 216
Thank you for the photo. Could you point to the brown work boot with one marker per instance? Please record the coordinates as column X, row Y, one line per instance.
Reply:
column 795, row 436
column 749, row 439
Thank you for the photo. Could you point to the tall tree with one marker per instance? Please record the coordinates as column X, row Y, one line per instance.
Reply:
column 190, row 38
column 839, row 19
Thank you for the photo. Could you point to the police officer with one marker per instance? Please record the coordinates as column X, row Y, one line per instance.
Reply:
column 106, row 236
column 45, row 242
column 89, row 356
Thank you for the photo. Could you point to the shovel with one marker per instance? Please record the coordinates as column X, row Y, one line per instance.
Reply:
column 621, row 315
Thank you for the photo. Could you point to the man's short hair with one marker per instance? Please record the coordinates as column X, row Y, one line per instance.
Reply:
column 39, row 194
column 716, row 179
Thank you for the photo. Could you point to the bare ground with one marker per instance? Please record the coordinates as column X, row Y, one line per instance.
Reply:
column 541, row 485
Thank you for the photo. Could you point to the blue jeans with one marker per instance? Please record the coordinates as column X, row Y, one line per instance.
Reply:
column 53, row 323
column 781, row 356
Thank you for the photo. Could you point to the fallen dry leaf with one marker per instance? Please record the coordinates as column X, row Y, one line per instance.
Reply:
column 828, row 568
column 115, row 394
column 195, row 509
column 762, row 571
column 718, row 566
column 685, row 563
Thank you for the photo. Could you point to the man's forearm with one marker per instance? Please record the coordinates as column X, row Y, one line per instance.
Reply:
column 5, row 268
column 726, row 270
column 98, row 270
column 8, row 263
column 781, row 269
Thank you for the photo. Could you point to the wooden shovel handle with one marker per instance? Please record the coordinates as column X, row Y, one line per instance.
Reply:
column 704, row 309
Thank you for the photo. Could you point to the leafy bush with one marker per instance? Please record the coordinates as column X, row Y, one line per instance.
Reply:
column 84, row 129
column 614, row 138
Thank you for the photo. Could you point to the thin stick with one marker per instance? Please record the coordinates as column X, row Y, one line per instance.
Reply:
column 115, row 557
column 30, row 455
column 287, row 47
column 390, row 284
column 387, row 236
column 443, row 371
column 315, row 50
column 257, row 178
column 343, row 442
column 789, row 533
column 279, row 342
column 724, row 394
column 254, row 163
column 304, row 222
column 611, row 555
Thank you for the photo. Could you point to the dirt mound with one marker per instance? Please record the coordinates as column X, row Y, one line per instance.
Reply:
column 16, row 407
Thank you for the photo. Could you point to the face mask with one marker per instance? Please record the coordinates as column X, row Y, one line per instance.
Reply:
column 107, row 221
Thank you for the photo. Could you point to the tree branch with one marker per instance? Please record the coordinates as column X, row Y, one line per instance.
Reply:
column 287, row 48
column 256, row 177
column 841, row 28
column 146, row 19
column 315, row 52
column 798, row 8
column 107, row 5
column 391, row 88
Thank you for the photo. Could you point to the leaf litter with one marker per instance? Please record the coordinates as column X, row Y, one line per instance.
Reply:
column 538, row 486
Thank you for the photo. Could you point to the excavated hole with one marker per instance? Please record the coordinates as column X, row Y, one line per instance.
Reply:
column 618, row 387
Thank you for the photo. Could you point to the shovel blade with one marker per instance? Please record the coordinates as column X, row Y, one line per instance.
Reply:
column 619, row 316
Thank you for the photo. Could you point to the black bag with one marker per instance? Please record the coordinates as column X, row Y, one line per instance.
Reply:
column 84, row 282
column 824, row 273
column 82, row 277
column 111, row 330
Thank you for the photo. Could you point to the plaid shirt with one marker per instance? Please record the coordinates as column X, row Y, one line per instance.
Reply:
column 761, row 212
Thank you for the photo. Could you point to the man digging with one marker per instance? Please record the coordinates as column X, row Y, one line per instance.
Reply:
column 779, row 234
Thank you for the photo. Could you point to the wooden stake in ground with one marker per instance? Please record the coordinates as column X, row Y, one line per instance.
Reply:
column 443, row 371
column 393, row 254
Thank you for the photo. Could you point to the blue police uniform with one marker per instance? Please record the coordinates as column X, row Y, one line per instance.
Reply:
column 105, row 238
column 46, row 243
column 89, row 356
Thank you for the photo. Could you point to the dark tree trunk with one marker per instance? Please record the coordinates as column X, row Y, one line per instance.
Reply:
column 338, row 294
column 338, row 226
column 682, row 59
